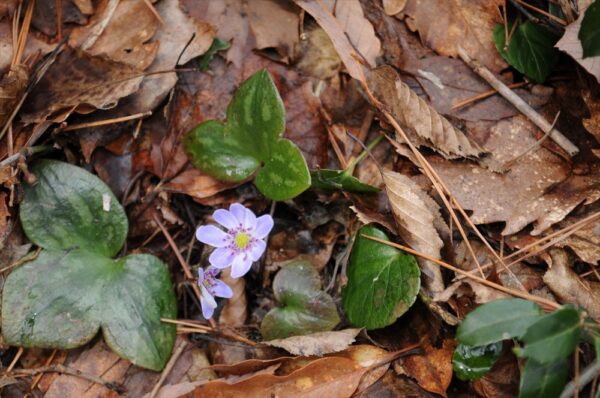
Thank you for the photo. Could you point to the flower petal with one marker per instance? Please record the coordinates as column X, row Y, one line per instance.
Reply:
column 250, row 221
column 239, row 212
column 211, row 235
column 226, row 219
column 221, row 289
column 257, row 249
column 207, row 310
column 200, row 275
column 207, row 302
column 264, row 225
column 241, row 265
column 221, row 257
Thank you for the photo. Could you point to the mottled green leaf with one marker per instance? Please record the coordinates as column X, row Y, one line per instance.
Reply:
column 216, row 46
column 530, row 51
column 251, row 142
column 552, row 337
column 339, row 180
column 497, row 320
column 472, row 363
column 543, row 381
column 589, row 33
column 70, row 208
column 383, row 282
column 62, row 298
column 304, row 307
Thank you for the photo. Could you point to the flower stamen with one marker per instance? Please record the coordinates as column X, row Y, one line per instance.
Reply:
column 241, row 240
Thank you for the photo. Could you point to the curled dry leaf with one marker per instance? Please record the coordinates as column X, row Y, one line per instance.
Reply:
column 585, row 242
column 275, row 24
column 235, row 311
column 569, row 287
column 358, row 29
column 417, row 216
column 317, row 343
column 333, row 377
column 421, row 122
column 79, row 79
column 444, row 25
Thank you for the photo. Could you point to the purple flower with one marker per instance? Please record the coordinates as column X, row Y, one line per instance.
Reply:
column 211, row 287
column 242, row 244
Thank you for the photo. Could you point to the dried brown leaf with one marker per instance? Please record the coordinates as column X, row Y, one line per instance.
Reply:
column 421, row 122
column 417, row 214
column 275, row 24
column 392, row 385
column 318, row 57
column 98, row 360
column 569, row 287
column 535, row 189
column 393, row 7
column 317, row 343
column 444, row 25
column 592, row 124
column 196, row 184
column 585, row 242
column 79, row 79
column 12, row 87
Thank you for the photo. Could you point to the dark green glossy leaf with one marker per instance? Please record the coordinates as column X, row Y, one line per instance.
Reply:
column 383, row 282
column 304, row 307
column 472, row 363
column 251, row 138
column 497, row 320
column 216, row 46
column 589, row 33
column 64, row 210
column 543, row 381
column 552, row 337
column 339, row 179
column 531, row 50
column 61, row 300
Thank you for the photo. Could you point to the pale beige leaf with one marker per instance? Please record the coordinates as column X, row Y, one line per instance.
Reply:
column 571, row 44
column 358, row 29
column 416, row 213
column 569, row 287
column 317, row 343
column 333, row 27
column 420, row 121
column 393, row 7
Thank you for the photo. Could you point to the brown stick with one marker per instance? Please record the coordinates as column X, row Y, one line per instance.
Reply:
column 483, row 95
column 107, row 121
column 518, row 103
column 178, row 351
column 114, row 386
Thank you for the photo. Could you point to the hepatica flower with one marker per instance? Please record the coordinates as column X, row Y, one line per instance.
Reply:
column 211, row 287
column 241, row 244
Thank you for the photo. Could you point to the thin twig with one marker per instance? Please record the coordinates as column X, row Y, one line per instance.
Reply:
column 106, row 122
column 527, row 296
column 15, row 360
column 167, row 370
column 58, row 368
column 37, row 378
column 483, row 95
column 544, row 13
column 518, row 103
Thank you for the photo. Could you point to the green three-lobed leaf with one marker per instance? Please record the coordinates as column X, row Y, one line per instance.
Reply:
column 383, row 282
column 251, row 142
column 305, row 307
column 74, row 288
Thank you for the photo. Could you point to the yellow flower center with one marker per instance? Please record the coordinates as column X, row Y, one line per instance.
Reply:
column 241, row 240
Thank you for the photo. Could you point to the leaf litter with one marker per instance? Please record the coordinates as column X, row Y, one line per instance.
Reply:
column 347, row 73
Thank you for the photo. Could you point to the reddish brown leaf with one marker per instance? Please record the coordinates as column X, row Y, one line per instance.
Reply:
column 275, row 24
